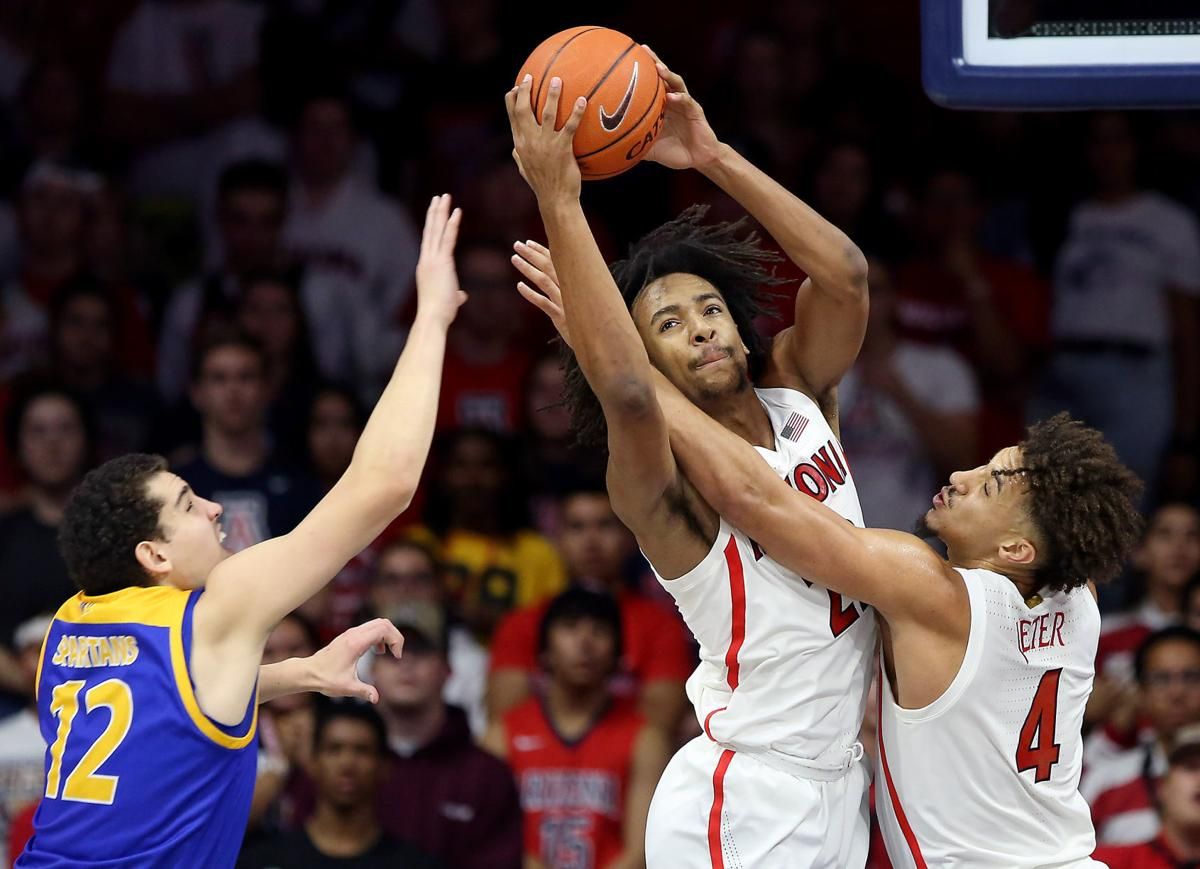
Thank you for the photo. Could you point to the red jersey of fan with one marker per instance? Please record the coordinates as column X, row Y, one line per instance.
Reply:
column 572, row 792
column 1155, row 854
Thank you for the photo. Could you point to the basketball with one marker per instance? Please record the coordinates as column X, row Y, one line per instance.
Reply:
column 626, row 97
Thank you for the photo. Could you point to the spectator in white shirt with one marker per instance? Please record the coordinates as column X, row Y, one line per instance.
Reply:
column 22, row 749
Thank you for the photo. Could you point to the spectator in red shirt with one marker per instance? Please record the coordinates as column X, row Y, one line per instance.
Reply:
column 656, row 658
column 1119, row 785
column 442, row 792
column 587, row 763
column 1177, row 844
column 994, row 312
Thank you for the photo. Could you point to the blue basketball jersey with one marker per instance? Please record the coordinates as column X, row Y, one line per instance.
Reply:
column 136, row 773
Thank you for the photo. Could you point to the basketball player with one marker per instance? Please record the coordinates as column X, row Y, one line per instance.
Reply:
column 785, row 665
column 147, row 684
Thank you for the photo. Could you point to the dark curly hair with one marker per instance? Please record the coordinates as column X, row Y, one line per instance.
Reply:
column 108, row 515
column 727, row 255
column 1083, row 503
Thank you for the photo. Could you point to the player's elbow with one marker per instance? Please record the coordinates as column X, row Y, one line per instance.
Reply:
column 854, row 272
column 629, row 398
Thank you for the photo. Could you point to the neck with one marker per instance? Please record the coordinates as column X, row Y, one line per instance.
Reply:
column 743, row 414
column 608, row 584
column 573, row 710
column 237, row 454
column 414, row 726
column 1116, row 191
column 1025, row 581
column 318, row 190
column 84, row 377
column 48, row 505
column 1183, row 841
column 51, row 266
column 343, row 831
column 1163, row 597
column 478, row 517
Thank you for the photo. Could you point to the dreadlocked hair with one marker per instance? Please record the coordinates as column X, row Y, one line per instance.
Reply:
column 727, row 255
column 1083, row 503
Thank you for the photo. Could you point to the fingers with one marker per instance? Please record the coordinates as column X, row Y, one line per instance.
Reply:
column 550, row 110
column 538, row 255
column 674, row 80
column 372, row 633
column 539, row 278
column 539, row 301
column 426, row 229
column 575, row 118
column 450, row 237
column 520, row 166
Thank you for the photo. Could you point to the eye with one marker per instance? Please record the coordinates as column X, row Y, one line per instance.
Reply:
column 987, row 492
column 667, row 324
column 712, row 309
column 189, row 506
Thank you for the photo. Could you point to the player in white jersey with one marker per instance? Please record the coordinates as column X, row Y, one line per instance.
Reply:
column 780, row 691
column 988, row 654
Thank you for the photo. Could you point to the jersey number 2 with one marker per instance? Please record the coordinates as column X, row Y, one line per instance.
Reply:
column 83, row 784
column 1036, row 748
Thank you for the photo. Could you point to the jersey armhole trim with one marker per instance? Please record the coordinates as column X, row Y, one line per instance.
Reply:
column 715, row 555
column 183, row 684
column 966, row 670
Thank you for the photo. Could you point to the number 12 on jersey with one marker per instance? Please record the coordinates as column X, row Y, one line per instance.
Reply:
column 1036, row 748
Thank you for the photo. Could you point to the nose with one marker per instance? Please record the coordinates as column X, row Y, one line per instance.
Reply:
column 703, row 334
column 214, row 510
column 958, row 481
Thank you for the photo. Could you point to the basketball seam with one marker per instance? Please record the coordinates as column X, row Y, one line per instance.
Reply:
column 615, row 64
column 545, row 72
column 632, row 127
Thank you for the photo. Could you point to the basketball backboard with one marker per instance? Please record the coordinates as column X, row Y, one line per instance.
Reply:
column 1049, row 54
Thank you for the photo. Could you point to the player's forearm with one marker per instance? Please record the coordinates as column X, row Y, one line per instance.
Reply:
column 293, row 676
column 824, row 252
column 606, row 342
column 395, row 442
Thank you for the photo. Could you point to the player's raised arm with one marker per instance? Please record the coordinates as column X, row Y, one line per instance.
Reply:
column 606, row 342
column 831, row 305
column 250, row 592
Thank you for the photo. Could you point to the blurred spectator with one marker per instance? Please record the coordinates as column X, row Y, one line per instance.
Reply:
column 250, row 211
column 235, row 464
column 656, row 656
column 22, row 749
column 349, row 762
column 586, row 763
column 49, row 433
column 910, row 416
column 477, row 520
column 407, row 580
column 48, row 123
column 83, row 348
column 844, row 193
column 1165, row 561
column 1177, row 845
column 552, row 465
column 270, row 312
column 1120, row 787
column 1191, row 603
column 342, row 228
column 182, row 93
column 487, row 355
column 282, row 786
column 1126, row 327
column 994, row 312
column 442, row 792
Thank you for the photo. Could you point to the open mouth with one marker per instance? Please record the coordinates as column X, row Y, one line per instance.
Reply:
column 939, row 500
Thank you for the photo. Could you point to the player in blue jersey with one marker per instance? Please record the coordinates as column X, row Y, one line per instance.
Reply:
column 149, row 679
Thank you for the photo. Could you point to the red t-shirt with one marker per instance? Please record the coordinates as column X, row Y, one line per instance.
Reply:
column 655, row 646
column 20, row 830
column 485, row 396
column 1155, row 854
column 572, row 793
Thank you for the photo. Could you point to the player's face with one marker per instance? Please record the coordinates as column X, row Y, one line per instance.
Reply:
column 982, row 513
column 1179, row 793
column 413, row 681
column 593, row 542
column 1170, row 686
column 691, row 337
column 580, row 653
column 192, row 534
column 347, row 763
column 1170, row 553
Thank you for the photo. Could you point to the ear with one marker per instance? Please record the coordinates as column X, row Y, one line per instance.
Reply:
column 1019, row 551
column 153, row 559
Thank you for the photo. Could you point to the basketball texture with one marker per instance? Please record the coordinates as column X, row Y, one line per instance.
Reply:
column 626, row 97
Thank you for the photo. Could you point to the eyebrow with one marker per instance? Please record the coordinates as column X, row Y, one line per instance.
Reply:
column 674, row 309
column 182, row 494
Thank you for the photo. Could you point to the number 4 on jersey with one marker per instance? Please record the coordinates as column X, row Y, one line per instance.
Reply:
column 1039, row 728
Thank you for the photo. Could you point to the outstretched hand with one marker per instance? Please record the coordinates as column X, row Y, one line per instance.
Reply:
column 335, row 667
column 686, row 141
column 534, row 262
column 545, row 155
column 438, row 292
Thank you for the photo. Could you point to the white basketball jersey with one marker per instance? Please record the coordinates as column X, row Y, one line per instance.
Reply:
column 785, row 665
column 988, row 774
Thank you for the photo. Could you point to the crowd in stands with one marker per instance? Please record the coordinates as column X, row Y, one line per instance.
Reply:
column 208, row 229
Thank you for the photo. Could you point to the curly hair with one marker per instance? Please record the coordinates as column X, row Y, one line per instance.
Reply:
column 727, row 255
column 1083, row 503
column 108, row 515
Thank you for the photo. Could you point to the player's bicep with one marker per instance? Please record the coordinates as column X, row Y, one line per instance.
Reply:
column 641, row 467
column 824, row 341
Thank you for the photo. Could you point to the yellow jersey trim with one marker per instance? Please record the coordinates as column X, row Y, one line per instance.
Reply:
column 183, row 684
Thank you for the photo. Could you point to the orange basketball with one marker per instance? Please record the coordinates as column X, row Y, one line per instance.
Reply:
column 626, row 97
